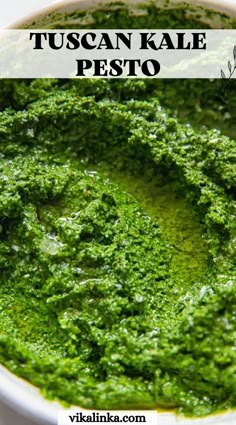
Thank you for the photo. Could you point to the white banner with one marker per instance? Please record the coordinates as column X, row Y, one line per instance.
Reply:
column 118, row 53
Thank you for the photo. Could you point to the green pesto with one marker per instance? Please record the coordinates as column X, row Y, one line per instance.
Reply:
column 150, row 14
column 117, row 241
column 117, row 248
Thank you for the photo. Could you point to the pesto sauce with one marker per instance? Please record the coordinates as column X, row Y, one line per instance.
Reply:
column 117, row 242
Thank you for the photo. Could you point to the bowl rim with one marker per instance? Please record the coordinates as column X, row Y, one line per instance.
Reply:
column 225, row 6
column 20, row 396
column 16, row 393
column 25, row 400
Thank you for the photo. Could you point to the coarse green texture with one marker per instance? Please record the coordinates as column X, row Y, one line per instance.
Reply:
column 117, row 233
column 150, row 14
column 117, row 249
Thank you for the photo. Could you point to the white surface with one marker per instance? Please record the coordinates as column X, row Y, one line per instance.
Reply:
column 12, row 10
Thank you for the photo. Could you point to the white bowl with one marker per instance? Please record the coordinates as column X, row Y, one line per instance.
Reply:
column 20, row 402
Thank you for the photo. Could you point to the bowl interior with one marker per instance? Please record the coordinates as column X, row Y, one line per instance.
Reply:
column 14, row 392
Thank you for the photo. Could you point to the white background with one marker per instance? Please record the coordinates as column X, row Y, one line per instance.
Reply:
column 12, row 10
